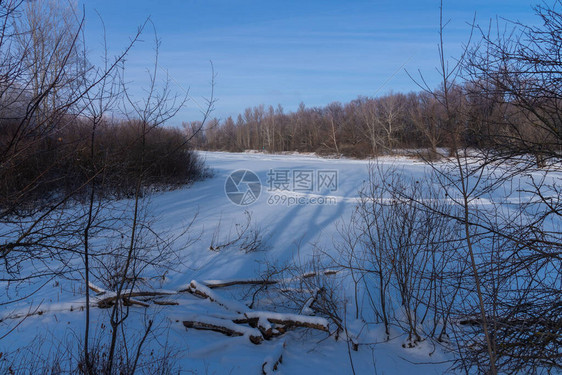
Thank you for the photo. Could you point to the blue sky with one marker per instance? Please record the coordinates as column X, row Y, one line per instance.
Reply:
column 287, row 52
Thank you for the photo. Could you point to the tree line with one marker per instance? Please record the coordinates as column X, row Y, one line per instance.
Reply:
column 490, row 107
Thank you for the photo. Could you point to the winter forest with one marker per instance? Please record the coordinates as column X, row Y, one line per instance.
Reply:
column 392, row 233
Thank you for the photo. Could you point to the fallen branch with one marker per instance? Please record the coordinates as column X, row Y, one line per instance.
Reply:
column 272, row 361
column 306, row 309
column 223, row 326
column 96, row 289
column 287, row 320
column 127, row 297
column 212, row 284
column 225, row 283
column 318, row 273
column 131, row 301
column 203, row 291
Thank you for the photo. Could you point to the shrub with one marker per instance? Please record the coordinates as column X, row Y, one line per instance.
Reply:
column 60, row 161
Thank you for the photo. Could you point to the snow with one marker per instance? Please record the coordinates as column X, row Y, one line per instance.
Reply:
column 289, row 230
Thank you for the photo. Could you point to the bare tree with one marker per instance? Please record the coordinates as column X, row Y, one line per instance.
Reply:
column 56, row 153
column 519, row 69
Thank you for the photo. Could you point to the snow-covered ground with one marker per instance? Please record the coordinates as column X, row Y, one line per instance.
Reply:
column 291, row 221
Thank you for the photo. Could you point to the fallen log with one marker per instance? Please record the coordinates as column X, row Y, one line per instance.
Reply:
column 287, row 320
column 223, row 326
column 272, row 362
column 265, row 328
column 128, row 297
